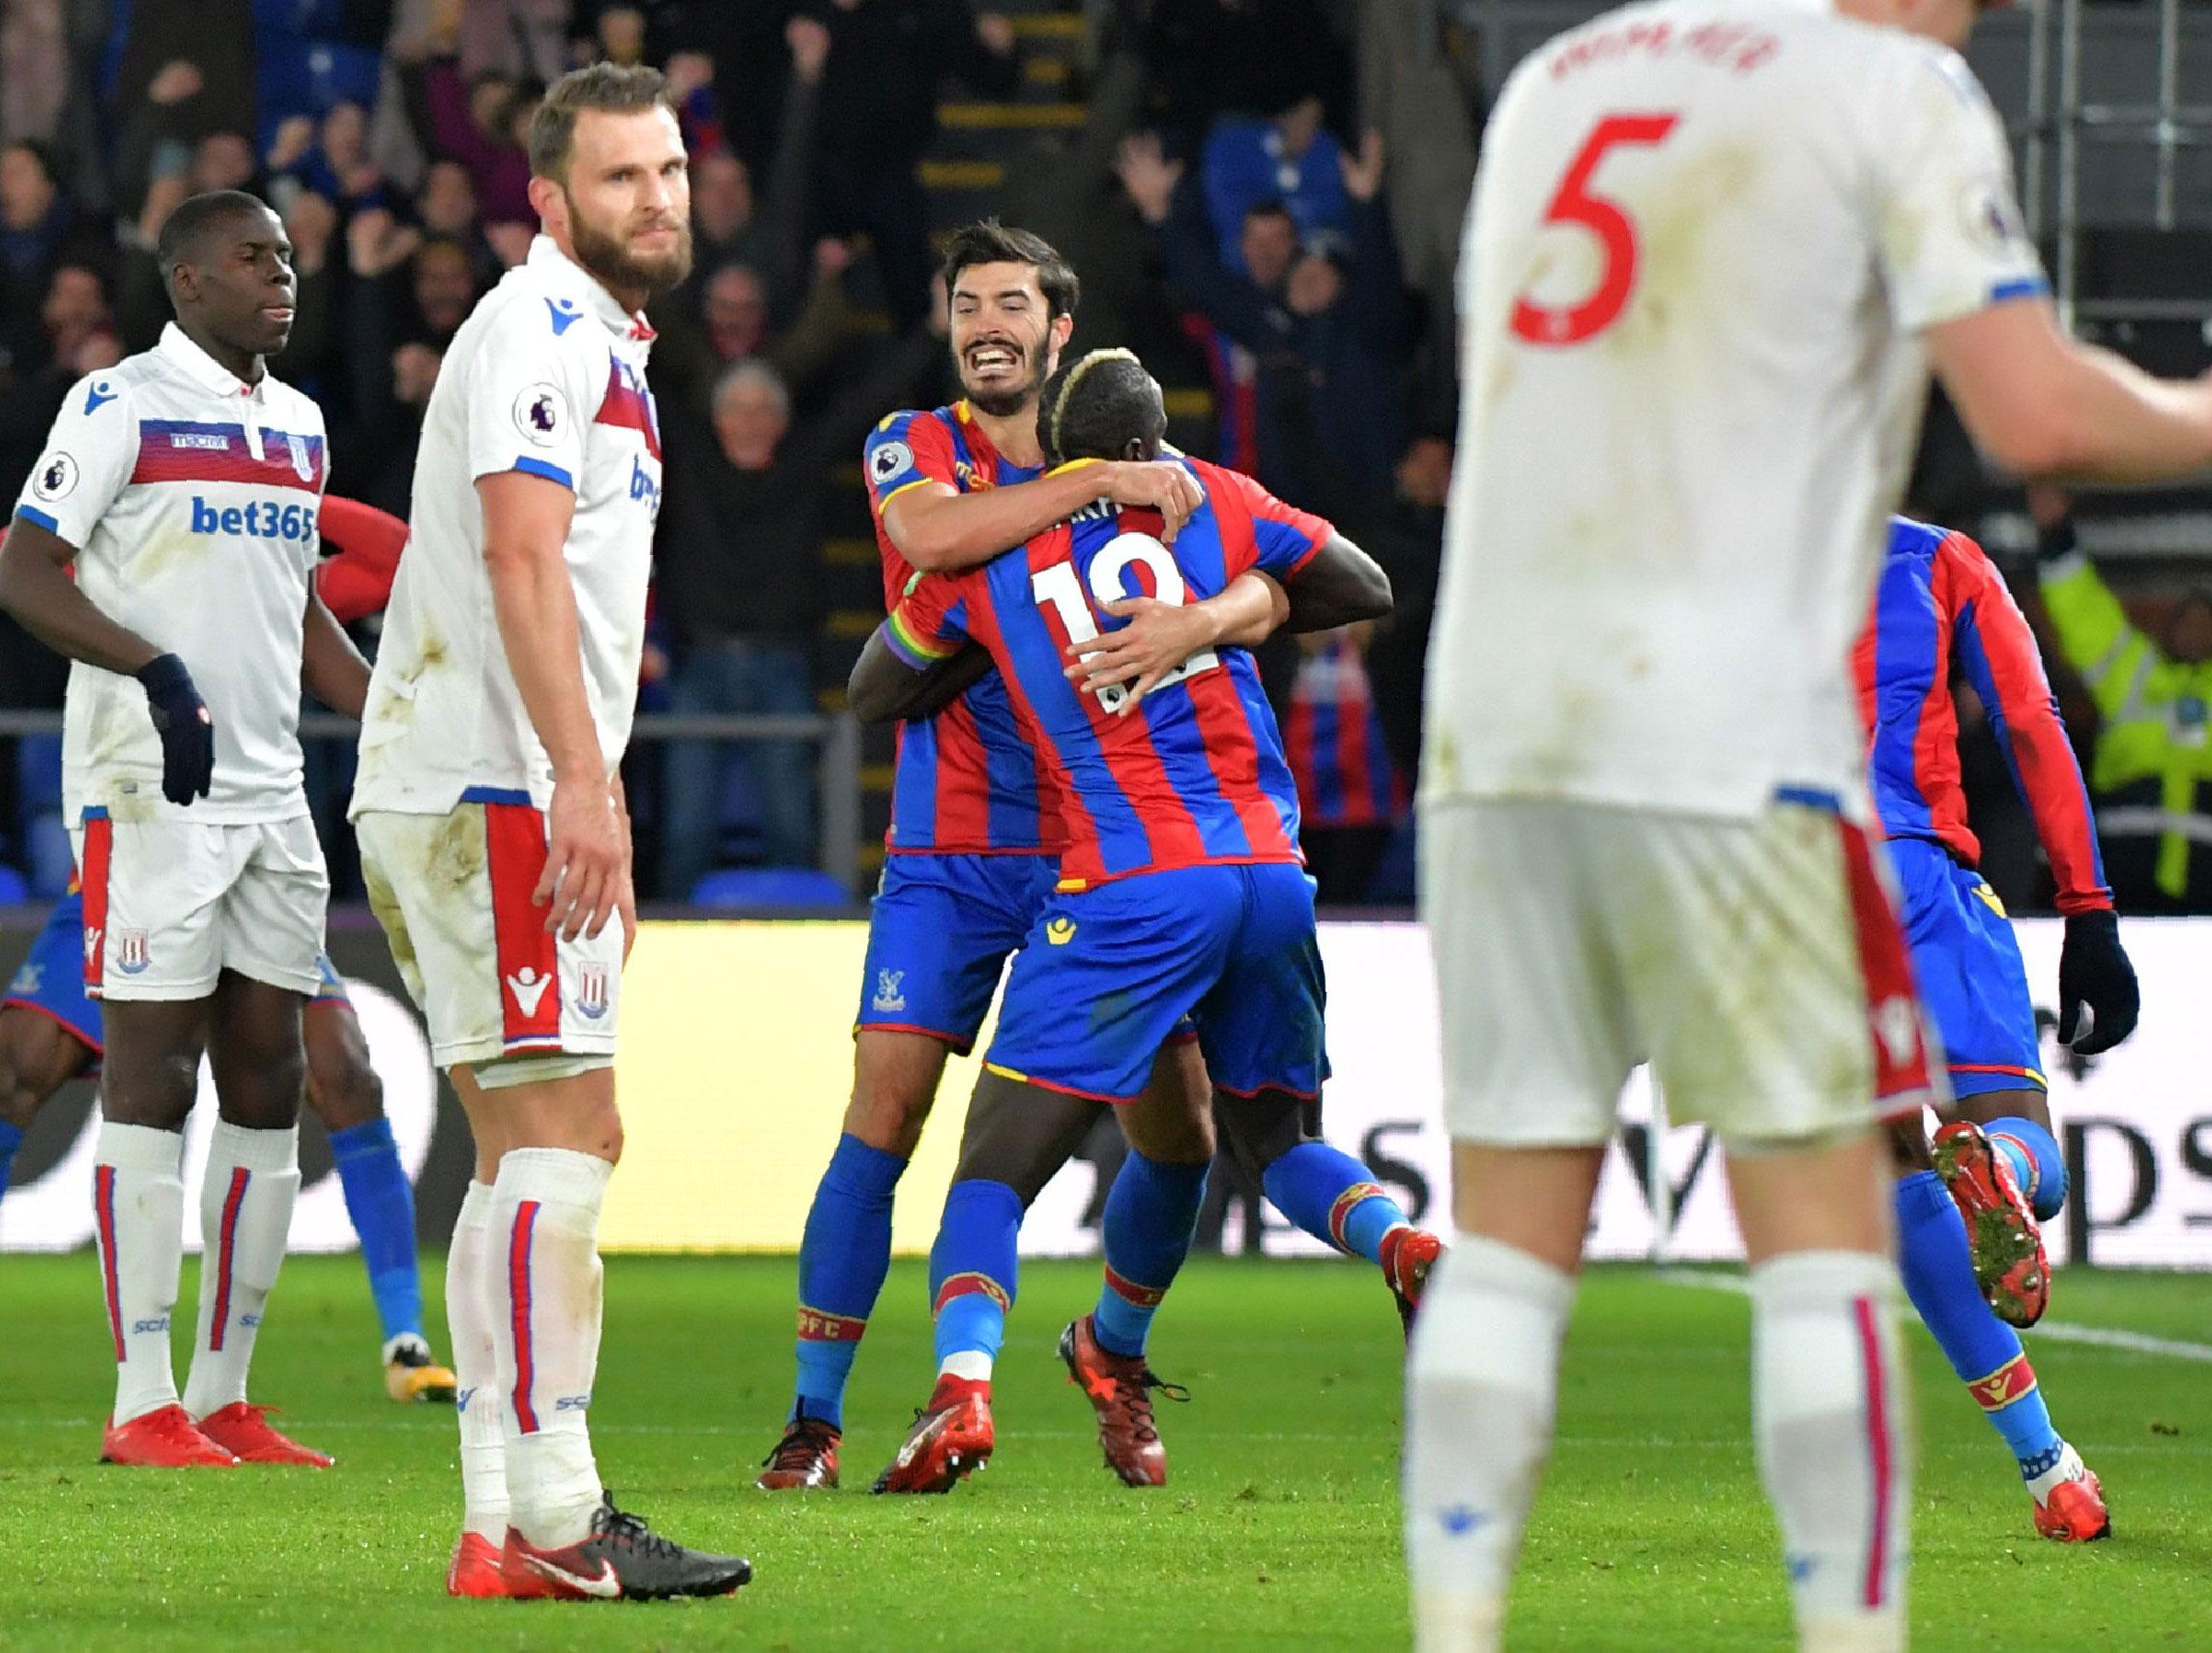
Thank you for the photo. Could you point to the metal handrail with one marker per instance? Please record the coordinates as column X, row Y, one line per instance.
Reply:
column 837, row 734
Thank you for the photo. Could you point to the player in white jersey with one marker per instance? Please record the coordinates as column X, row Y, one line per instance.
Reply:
column 1713, row 249
column 184, row 484
column 493, row 836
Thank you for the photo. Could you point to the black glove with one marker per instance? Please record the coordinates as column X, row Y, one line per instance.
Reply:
column 2093, row 970
column 187, row 734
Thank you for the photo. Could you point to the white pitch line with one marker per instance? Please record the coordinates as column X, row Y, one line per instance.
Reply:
column 2059, row 1331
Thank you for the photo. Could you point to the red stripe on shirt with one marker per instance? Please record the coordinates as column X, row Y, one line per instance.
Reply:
column 99, row 859
column 1226, row 728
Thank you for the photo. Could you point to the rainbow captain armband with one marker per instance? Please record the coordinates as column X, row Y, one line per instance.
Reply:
column 915, row 650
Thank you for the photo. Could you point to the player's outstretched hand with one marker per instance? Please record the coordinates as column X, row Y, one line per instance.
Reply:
column 1160, row 637
column 1156, row 484
column 188, row 733
column 2093, row 970
column 584, row 859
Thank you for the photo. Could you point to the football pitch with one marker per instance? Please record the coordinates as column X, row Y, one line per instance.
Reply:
column 1278, row 1527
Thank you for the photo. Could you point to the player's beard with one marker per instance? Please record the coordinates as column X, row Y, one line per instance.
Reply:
column 609, row 257
column 1006, row 403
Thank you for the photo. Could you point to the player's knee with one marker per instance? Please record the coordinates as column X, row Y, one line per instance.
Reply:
column 1260, row 1130
column 1170, row 1137
column 346, row 1093
column 887, row 1112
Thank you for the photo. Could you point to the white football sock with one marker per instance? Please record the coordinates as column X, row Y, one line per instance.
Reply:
column 1482, row 1384
column 476, row 1293
column 138, row 1214
column 1834, row 1435
column 245, row 1218
column 545, row 1235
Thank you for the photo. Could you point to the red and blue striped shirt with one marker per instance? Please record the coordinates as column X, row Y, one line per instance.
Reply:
column 1941, row 602
column 1334, row 741
column 966, row 781
column 1194, row 774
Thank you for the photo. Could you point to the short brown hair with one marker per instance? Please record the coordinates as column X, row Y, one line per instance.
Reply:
column 991, row 241
column 613, row 88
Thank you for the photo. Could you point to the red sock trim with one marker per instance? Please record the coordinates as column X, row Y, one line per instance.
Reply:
column 518, row 1298
column 103, row 1206
column 1877, row 1449
column 226, row 1249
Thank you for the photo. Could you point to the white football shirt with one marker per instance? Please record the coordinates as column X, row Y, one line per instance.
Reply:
column 1705, row 235
column 191, row 501
column 546, row 376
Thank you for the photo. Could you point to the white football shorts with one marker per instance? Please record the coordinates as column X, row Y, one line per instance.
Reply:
column 171, row 904
column 454, row 893
column 1757, row 965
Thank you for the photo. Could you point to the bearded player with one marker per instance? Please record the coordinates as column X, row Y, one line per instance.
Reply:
column 974, row 850
column 493, row 837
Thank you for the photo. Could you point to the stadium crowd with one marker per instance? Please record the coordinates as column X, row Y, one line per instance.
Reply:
column 1274, row 235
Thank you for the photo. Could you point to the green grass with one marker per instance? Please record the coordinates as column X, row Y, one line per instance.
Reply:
column 1278, row 1530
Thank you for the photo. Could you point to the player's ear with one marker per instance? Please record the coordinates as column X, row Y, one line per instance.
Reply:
column 549, row 202
column 1062, row 329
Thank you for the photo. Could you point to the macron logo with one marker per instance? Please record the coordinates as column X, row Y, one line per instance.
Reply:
column 97, row 397
column 529, row 989
column 1461, row 1520
column 564, row 313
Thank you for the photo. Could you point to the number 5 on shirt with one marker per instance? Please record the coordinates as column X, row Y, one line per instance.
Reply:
column 1575, row 204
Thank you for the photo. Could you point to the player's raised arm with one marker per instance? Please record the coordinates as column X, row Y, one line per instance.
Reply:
column 527, row 518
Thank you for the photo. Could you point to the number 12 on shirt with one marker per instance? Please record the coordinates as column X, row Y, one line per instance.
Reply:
column 1059, row 589
column 1575, row 203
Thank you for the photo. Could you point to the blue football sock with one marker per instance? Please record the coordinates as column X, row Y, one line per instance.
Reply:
column 11, row 1139
column 1152, row 1212
column 2037, row 1166
column 1334, row 1198
column 842, row 1261
column 972, row 1280
column 1983, row 1350
column 382, row 1206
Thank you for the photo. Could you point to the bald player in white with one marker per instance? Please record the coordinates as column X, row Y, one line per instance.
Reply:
column 1714, row 248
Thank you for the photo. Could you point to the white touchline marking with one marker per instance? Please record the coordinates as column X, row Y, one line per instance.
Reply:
column 2059, row 1331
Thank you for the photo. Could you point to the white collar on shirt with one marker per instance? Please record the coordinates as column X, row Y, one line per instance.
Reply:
column 203, row 369
column 549, row 262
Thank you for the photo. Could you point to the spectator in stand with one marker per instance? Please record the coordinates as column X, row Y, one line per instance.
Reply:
column 1244, row 57
column 2151, row 768
column 406, row 298
column 309, row 362
column 74, row 336
column 1290, row 162
column 330, row 158
column 1305, row 342
column 446, row 210
column 887, row 62
column 733, row 324
column 1352, row 798
column 728, row 224
column 34, row 216
column 482, row 122
column 740, row 581
column 1408, row 542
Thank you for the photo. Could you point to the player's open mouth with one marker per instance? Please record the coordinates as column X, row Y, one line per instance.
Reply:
column 992, row 358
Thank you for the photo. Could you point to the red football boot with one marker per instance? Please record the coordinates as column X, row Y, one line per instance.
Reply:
column 951, row 1439
column 473, row 1571
column 244, row 1427
column 163, row 1439
column 806, row 1457
column 1119, row 1390
column 2073, row 1511
column 2001, row 1231
column 1407, row 1254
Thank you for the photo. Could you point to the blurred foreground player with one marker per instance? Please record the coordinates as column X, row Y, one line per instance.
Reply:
column 1181, row 895
column 50, row 1032
column 1941, row 603
column 184, row 487
column 1712, row 252
column 493, row 837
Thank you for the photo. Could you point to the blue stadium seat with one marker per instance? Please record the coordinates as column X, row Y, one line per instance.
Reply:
column 14, row 888
column 769, row 887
